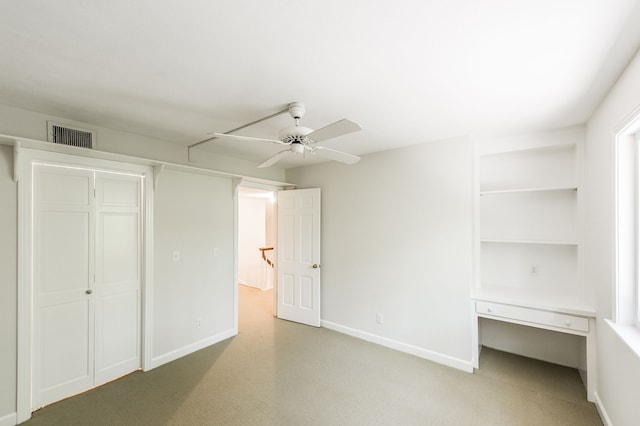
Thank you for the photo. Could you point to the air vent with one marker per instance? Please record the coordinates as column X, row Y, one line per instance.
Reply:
column 71, row 136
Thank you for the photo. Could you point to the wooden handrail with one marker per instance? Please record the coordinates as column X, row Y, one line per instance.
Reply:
column 263, row 249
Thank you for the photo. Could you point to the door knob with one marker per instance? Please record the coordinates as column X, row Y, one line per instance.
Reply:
column 89, row 291
column 315, row 266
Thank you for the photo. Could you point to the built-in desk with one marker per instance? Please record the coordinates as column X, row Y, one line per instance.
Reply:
column 577, row 319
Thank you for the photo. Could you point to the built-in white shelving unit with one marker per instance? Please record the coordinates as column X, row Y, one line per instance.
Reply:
column 528, row 234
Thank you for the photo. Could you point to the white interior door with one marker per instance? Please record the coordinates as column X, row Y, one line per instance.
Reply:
column 298, row 287
column 62, row 279
column 118, row 281
column 86, row 266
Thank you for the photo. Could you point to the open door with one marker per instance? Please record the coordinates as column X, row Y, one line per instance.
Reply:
column 298, row 261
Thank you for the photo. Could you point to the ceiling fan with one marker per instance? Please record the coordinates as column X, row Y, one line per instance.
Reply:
column 301, row 140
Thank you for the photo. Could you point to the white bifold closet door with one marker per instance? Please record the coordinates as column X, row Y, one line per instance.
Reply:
column 86, row 279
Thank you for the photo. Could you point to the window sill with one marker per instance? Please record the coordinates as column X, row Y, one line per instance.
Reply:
column 629, row 334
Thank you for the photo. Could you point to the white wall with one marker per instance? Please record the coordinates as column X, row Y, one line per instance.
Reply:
column 618, row 367
column 251, row 236
column 397, row 240
column 193, row 297
column 8, row 287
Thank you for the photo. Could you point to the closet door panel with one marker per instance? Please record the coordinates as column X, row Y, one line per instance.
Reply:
column 62, row 283
column 118, row 275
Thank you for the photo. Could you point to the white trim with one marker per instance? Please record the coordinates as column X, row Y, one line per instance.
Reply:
column 186, row 350
column 9, row 420
column 636, row 308
column 16, row 161
column 604, row 416
column 475, row 337
column 625, row 281
column 24, row 349
column 628, row 334
column 236, row 273
column 476, row 275
column 147, row 286
column 443, row 359
column 265, row 187
column 25, row 246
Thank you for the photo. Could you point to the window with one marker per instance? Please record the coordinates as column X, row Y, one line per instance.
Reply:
column 627, row 299
column 625, row 320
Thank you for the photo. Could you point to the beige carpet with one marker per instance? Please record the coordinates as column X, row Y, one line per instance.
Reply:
column 281, row 373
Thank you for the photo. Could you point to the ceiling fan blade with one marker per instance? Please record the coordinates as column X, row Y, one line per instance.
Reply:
column 246, row 138
column 332, row 154
column 274, row 159
column 334, row 130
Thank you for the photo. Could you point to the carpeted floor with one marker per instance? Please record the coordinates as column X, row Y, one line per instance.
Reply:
column 281, row 373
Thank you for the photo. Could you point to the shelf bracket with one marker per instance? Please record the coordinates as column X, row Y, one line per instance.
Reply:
column 235, row 183
column 17, row 151
column 157, row 171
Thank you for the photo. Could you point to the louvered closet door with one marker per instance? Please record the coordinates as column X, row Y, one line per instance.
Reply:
column 87, row 237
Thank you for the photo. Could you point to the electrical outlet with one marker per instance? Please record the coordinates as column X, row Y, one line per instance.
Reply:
column 198, row 323
column 380, row 318
column 176, row 256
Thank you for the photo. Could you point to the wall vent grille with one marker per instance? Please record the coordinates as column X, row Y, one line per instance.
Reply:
column 71, row 136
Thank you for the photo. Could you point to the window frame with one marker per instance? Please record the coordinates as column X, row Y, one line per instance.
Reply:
column 626, row 297
column 636, row 286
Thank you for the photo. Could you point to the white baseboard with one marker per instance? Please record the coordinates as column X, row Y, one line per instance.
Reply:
column 186, row 350
column 602, row 411
column 447, row 360
column 9, row 420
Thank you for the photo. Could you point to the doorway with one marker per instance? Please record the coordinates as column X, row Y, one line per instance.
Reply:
column 256, row 245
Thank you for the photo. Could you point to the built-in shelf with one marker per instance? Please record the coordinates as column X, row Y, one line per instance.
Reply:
column 528, row 255
column 548, row 242
column 525, row 190
column 529, row 149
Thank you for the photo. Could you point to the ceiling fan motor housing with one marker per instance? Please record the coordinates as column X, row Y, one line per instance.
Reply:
column 295, row 134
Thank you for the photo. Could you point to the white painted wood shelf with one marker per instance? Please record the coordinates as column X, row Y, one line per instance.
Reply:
column 521, row 190
column 542, row 242
column 524, row 150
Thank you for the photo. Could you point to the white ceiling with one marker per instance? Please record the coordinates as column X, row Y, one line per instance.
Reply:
column 409, row 71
